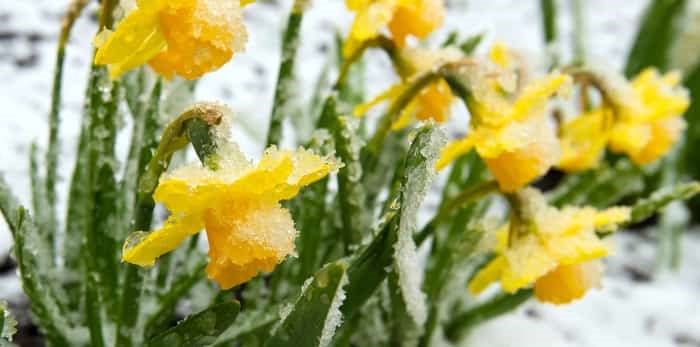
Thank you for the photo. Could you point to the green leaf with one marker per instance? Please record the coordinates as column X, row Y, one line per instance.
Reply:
column 311, row 214
column 315, row 316
column 654, row 37
column 249, row 322
column 469, row 45
column 495, row 306
column 201, row 329
column 8, row 324
column 662, row 197
column 601, row 187
column 351, row 194
column 368, row 267
column 418, row 175
column 285, row 79
column 28, row 251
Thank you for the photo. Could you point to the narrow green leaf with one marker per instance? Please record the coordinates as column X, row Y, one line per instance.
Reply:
column 27, row 247
column 201, row 329
column 549, row 15
column 311, row 214
column 496, row 306
column 368, row 267
column 662, row 197
column 285, row 78
column 315, row 316
column 654, row 37
column 8, row 324
column 249, row 322
column 351, row 194
column 469, row 45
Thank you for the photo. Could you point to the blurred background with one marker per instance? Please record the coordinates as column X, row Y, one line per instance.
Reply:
column 640, row 305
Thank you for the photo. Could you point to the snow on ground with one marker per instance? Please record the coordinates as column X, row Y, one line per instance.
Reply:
column 632, row 309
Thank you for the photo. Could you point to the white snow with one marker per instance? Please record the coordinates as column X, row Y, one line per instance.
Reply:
column 664, row 311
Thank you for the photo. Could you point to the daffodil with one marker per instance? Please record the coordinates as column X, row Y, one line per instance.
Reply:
column 238, row 206
column 402, row 17
column 651, row 121
column 184, row 37
column 555, row 250
column 583, row 139
column 433, row 101
column 515, row 140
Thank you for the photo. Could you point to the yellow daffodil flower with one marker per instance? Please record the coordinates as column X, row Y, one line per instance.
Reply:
column 515, row 140
column 556, row 250
column 433, row 101
column 184, row 37
column 649, row 123
column 238, row 205
column 583, row 140
column 402, row 17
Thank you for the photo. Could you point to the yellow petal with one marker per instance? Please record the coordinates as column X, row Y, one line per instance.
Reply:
column 533, row 98
column 527, row 260
column 389, row 94
column 308, row 168
column 454, row 150
column 583, row 141
column 143, row 249
column 138, row 38
column 486, row 276
column 416, row 18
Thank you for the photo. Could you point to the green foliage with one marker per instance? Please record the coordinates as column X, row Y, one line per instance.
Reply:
column 357, row 281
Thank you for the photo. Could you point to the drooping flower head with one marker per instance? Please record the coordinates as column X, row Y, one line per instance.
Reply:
column 402, row 17
column 555, row 250
column 238, row 206
column 433, row 102
column 175, row 37
column 651, row 121
column 515, row 139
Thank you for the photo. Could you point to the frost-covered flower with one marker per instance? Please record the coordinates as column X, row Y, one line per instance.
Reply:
column 556, row 250
column 238, row 205
column 402, row 17
column 515, row 140
column 583, row 139
column 434, row 100
column 184, row 37
column 650, row 120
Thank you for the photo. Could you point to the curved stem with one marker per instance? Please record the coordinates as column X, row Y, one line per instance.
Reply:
column 466, row 196
column 380, row 41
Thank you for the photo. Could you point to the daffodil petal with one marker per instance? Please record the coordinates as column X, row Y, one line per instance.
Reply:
column 454, row 150
column 138, row 38
column 143, row 250
column 487, row 276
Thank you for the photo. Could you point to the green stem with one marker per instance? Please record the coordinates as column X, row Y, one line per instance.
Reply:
column 290, row 45
column 579, row 44
column 393, row 112
column 380, row 41
column 496, row 306
column 466, row 196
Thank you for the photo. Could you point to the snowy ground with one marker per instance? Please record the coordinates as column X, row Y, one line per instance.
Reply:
column 636, row 307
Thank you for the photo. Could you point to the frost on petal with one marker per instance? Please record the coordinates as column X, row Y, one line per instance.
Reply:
column 143, row 248
column 202, row 36
column 247, row 237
